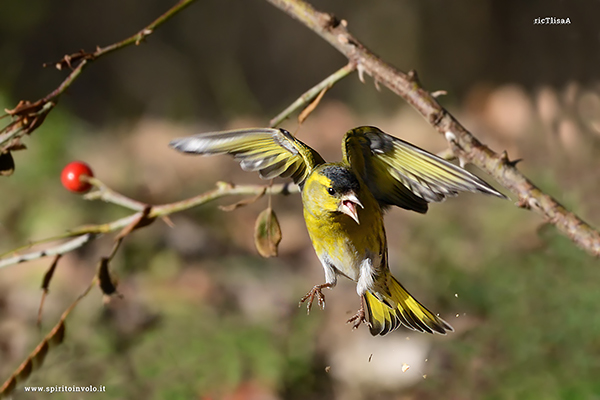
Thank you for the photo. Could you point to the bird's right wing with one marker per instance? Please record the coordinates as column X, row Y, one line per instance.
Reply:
column 271, row 152
column 401, row 174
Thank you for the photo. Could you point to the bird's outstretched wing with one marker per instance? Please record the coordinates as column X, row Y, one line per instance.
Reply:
column 401, row 174
column 271, row 152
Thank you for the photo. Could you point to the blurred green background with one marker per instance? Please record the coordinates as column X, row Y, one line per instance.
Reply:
column 203, row 316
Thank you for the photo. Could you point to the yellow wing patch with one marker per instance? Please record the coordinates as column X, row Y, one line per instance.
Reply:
column 399, row 173
column 271, row 152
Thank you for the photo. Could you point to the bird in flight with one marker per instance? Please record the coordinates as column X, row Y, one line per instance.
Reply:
column 343, row 206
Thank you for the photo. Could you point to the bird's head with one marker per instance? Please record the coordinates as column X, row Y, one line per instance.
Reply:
column 333, row 189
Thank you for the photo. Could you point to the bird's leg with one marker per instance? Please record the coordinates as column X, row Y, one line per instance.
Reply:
column 310, row 296
column 358, row 318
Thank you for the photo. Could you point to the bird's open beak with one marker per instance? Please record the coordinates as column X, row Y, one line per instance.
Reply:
column 348, row 206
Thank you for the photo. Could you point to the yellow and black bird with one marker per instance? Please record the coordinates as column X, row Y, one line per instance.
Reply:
column 344, row 203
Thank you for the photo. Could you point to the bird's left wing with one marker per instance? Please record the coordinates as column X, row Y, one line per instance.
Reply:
column 271, row 152
column 399, row 173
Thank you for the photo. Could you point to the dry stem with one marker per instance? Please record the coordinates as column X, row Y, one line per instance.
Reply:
column 462, row 142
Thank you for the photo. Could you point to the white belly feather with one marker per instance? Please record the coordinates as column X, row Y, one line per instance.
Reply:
column 357, row 267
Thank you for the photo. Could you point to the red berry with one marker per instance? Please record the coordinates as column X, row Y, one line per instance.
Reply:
column 70, row 177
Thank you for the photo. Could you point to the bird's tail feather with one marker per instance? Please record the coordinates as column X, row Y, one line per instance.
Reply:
column 386, row 312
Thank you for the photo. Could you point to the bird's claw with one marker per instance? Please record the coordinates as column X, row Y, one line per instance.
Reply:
column 310, row 297
column 358, row 319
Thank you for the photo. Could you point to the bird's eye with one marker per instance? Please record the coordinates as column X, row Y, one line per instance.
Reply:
column 331, row 191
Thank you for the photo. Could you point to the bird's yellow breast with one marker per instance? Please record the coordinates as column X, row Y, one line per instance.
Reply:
column 339, row 240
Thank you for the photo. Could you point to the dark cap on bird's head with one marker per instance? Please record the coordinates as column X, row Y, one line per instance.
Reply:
column 344, row 186
column 342, row 179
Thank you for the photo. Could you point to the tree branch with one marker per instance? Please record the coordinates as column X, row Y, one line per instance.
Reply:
column 29, row 116
column 312, row 93
column 462, row 142
column 84, row 234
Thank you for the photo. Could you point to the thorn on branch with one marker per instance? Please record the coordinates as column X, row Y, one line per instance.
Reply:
column 505, row 160
column 436, row 117
column 142, row 35
column 328, row 21
column 376, row 81
column 361, row 72
column 453, row 141
column 514, row 163
column 413, row 76
column 342, row 39
column 504, row 157
column 528, row 203
column 438, row 93
column 451, row 138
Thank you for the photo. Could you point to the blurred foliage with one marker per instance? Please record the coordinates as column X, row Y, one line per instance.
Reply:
column 535, row 333
column 202, row 315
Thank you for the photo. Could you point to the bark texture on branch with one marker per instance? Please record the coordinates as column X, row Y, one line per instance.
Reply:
column 463, row 143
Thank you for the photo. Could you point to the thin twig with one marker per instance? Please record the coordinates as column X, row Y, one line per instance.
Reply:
column 104, row 276
column 18, row 128
column 312, row 93
column 37, row 356
column 108, row 195
column 223, row 189
column 30, row 115
column 86, row 233
column 463, row 143
column 51, row 251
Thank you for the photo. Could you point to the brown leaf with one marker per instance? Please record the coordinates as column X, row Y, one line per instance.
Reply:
column 105, row 281
column 50, row 273
column 267, row 233
column 25, row 107
column 46, row 284
column 7, row 164
column 311, row 107
column 29, row 115
column 15, row 145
